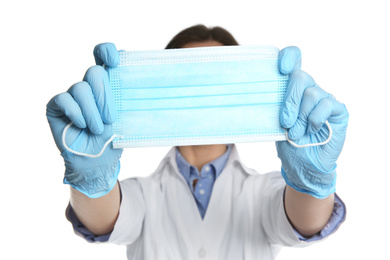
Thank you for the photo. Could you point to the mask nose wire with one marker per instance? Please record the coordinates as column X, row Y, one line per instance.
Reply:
column 86, row 154
column 312, row 144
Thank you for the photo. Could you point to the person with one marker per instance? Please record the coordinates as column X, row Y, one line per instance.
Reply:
column 202, row 201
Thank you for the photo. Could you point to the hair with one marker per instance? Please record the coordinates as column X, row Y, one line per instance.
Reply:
column 200, row 33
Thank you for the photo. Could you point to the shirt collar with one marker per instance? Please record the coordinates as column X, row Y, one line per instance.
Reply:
column 218, row 164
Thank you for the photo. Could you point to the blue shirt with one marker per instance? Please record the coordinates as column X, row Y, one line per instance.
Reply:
column 201, row 184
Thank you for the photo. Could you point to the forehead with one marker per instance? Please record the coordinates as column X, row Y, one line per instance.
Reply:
column 202, row 44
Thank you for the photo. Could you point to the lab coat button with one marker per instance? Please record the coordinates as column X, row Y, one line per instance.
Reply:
column 202, row 253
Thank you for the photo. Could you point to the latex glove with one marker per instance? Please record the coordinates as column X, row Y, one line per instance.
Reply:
column 90, row 106
column 306, row 107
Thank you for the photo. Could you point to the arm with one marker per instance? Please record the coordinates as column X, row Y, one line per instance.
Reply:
column 98, row 215
column 310, row 173
column 89, row 105
column 307, row 214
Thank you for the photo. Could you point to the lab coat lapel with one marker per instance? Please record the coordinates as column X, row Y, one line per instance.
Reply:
column 183, row 206
column 218, row 214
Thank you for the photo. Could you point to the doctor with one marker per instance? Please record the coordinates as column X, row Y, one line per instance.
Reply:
column 202, row 202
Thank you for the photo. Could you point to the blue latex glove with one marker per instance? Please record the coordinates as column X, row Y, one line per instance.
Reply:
column 90, row 106
column 306, row 107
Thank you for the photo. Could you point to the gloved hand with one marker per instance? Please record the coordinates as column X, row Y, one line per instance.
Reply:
column 306, row 107
column 90, row 106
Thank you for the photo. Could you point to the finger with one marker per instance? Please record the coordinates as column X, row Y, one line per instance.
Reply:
column 106, row 53
column 82, row 94
column 289, row 59
column 311, row 97
column 298, row 82
column 327, row 109
column 97, row 78
column 64, row 104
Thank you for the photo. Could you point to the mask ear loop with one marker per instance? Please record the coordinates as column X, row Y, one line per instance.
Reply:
column 86, row 154
column 313, row 144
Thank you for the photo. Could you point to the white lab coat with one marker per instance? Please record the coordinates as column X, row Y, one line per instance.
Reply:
column 245, row 218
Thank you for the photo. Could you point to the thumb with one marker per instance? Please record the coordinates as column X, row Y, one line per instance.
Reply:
column 289, row 59
column 106, row 53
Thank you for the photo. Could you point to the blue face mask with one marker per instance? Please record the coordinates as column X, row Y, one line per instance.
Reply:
column 194, row 96
column 211, row 95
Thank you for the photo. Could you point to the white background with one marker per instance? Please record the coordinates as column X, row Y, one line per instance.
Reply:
column 46, row 46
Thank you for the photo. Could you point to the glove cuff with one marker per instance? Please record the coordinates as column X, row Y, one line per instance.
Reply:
column 310, row 183
column 94, row 184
